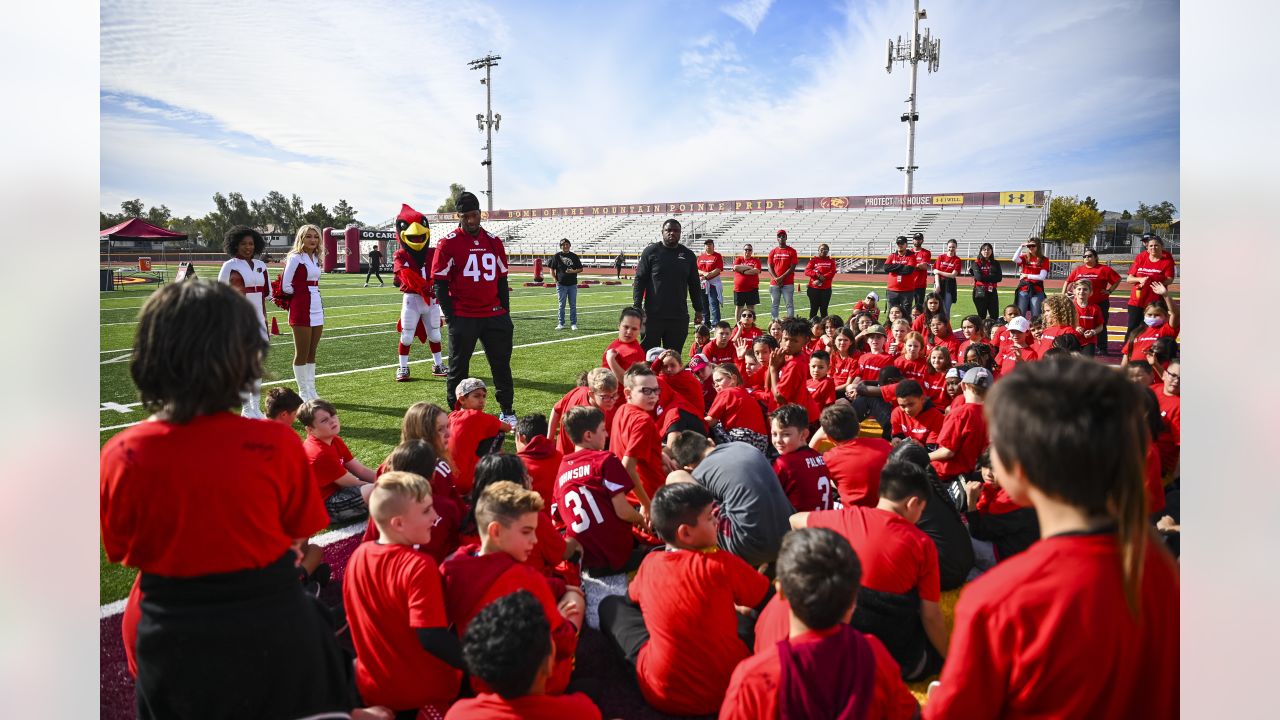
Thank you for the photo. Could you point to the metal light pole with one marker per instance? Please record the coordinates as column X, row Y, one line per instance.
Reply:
column 487, row 122
column 918, row 49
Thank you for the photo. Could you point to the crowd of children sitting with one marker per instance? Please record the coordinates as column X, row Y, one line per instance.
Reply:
column 767, row 556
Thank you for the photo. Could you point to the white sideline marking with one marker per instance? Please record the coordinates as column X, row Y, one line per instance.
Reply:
column 115, row 406
column 389, row 367
column 321, row 540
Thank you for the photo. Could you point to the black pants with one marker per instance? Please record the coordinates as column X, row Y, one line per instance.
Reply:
column 669, row 333
column 918, row 296
column 622, row 622
column 877, row 408
column 495, row 335
column 988, row 306
column 819, row 302
column 1136, row 315
column 901, row 299
column 375, row 271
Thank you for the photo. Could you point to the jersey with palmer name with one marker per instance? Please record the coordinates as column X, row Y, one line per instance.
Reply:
column 803, row 475
column 585, row 486
column 473, row 266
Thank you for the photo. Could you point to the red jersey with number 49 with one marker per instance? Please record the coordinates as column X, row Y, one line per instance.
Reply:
column 585, row 486
column 804, row 479
column 472, row 265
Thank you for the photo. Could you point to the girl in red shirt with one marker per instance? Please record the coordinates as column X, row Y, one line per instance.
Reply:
column 932, row 309
column 1160, row 322
column 1059, row 319
column 946, row 268
column 913, row 362
column 1155, row 265
column 746, row 327
column 987, row 275
column 941, row 335
column 971, row 331
column 897, row 337
column 1033, row 268
column 1094, row 566
column 821, row 271
column 934, row 381
column 844, row 359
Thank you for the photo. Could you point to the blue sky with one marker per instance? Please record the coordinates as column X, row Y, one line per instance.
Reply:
column 607, row 102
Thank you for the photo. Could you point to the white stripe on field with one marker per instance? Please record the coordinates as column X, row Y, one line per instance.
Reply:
column 321, row 540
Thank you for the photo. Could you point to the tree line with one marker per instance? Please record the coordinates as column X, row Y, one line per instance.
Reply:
column 1073, row 221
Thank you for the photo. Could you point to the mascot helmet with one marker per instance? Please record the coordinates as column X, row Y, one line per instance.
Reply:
column 412, row 229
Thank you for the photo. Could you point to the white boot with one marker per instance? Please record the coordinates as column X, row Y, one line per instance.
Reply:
column 251, row 405
column 300, row 376
column 311, row 381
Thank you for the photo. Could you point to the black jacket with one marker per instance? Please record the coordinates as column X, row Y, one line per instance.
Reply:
column 566, row 266
column 986, row 272
column 663, row 278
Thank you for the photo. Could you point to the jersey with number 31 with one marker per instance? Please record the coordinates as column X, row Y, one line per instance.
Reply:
column 585, row 486
column 471, row 264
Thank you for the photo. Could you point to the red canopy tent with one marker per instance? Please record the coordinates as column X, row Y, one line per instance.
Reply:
column 136, row 229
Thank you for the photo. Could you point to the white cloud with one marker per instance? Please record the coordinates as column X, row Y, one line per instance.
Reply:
column 748, row 12
column 711, row 57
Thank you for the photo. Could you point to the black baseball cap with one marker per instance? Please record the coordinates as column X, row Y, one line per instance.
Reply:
column 467, row 202
column 901, row 239
column 919, row 236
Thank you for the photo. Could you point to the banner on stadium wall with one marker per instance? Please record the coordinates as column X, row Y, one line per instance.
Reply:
column 830, row 202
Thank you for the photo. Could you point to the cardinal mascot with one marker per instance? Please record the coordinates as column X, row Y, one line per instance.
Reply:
column 419, row 311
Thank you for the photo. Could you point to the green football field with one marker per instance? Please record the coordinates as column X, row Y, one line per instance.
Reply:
column 357, row 357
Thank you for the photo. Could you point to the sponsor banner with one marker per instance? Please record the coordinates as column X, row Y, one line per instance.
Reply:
column 829, row 202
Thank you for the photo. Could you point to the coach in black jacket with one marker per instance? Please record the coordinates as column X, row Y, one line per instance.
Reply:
column 665, row 273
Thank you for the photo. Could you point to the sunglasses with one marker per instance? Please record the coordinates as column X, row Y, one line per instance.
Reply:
column 748, row 315
column 648, row 391
column 1090, row 255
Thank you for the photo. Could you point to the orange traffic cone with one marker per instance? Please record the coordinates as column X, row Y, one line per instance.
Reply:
column 275, row 328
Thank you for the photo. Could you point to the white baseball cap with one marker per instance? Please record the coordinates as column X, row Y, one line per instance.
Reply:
column 872, row 295
column 1019, row 324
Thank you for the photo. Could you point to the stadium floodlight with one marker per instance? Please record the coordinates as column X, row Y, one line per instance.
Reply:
column 920, row 48
column 488, row 121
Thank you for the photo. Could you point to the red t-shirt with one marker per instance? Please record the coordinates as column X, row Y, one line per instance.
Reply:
column 719, row 355
column 389, row 591
column 1089, row 317
column 896, row 556
column 587, row 482
column 862, row 306
column 1153, row 479
column 449, row 506
column 935, row 388
column 217, row 494
column 635, row 434
column 1100, row 278
column 743, row 282
column 803, row 475
column 820, row 271
column 1161, row 270
column 734, row 407
column 472, row 265
column 328, row 462
column 948, row 263
column 964, row 432
column 1017, row 650
column 922, row 257
column 922, row 428
column 906, row 281
column 1170, row 441
column 1000, row 337
column 577, row 397
column 912, row 369
column 688, row 600
column 542, row 461
column 490, row 706
column 843, row 368
column 710, row 262
column 467, row 428
column 951, row 342
column 1052, row 333
column 1136, row 349
column 870, row 365
column 1010, row 356
column 753, row 689
column 782, row 263
column 791, row 385
column 1032, row 264
column 629, row 353
column 823, row 391
column 750, row 332
column 854, row 466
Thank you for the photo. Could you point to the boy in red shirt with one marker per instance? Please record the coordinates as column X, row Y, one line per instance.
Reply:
column 735, row 409
column 591, row 497
column 1090, row 319
column 1017, row 348
column 635, row 432
column 898, row 602
column 1094, row 567
column 539, row 456
column 344, row 482
column 406, row 657
column 722, row 349
column 964, row 429
column 508, row 647
column 800, row 469
column 817, row 665
column 854, row 464
column 915, row 417
column 282, row 405
column 789, row 368
column 472, row 432
column 679, row 624
column 507, row 516
column 820, row 386
column 625, row 351
column 601, row 391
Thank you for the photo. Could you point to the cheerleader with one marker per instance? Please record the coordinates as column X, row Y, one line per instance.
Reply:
column 248, row 275
column 301, row 281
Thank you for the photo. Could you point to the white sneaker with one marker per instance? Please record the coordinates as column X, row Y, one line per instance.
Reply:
column 508, row 418
column 559, row 327
column 573, row 327
column 366, row 284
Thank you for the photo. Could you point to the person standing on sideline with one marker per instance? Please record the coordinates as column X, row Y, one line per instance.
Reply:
column 375, row 266
column 1155, row 265
column 249, row 276
column 901, row 268
column 1033, row 269
column 945, row 271
column 987, row 275
column 665, row 273
column 619, row 263
column 1103, row 280
column 301, row 282
column 782, row 267
column 746, row 281
column 710, row 266
column 821, row 271
column 470, row 272
column 565, row 266
column 921, row 278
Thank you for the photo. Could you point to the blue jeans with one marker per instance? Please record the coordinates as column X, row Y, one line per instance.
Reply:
column 712, row 297
column 1030, row 300
column 570, row 293
column 777, row 293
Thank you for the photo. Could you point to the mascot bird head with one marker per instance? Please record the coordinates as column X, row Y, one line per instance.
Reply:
column 412, row 229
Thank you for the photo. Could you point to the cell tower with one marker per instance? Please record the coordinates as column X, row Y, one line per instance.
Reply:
column 920, row 48
column 488, row 121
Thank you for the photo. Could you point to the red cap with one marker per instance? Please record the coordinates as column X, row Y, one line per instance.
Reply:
column 781, row 233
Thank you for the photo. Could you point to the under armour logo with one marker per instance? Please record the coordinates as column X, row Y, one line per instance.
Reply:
column 1020, row 197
